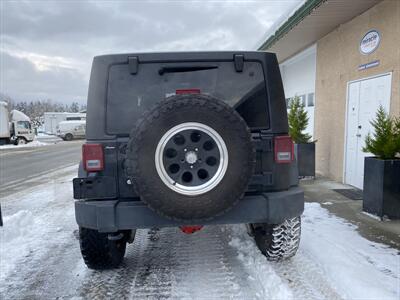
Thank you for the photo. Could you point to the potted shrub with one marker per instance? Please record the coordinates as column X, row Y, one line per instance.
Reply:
column 382, row 172
column 304, row 148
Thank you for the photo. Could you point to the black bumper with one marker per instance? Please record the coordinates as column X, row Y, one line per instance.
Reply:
column 114, row 215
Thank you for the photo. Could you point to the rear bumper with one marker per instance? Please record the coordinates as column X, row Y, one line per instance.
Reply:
column 114, row 215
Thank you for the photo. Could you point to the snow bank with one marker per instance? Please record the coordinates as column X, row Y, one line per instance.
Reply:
column 258, row 267
column 13, row 239
column 18, row 225
column 34, row 143
column 356, row 267
column 44, row 135
column 31, row 222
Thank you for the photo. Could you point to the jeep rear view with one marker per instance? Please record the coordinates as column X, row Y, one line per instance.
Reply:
column 189, row 140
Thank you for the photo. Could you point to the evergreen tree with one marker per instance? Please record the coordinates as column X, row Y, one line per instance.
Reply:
column 298, row 121
column 74, row 107
column 83, row 107
column 36, row 109
column 385, row 141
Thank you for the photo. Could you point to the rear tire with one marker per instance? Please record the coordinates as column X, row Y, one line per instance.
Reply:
column 278, row 242
column 68, row 137
column 98, row 251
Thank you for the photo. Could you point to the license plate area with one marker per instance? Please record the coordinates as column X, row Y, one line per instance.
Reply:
column 95, row 188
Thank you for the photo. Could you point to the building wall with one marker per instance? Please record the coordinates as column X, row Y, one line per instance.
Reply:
column 298, row 76
column 338, row 58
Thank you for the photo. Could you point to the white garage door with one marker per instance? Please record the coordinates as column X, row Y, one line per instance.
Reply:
column 364, row 98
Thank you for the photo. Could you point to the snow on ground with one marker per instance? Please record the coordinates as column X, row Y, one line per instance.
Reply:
column 42, row 139
column 357, row 267
column 33, row 222
column 40, row 258
column 13, row 237
column 44, row 134
column 372, row 216
column 48, row 138
column 34, row 143
column 327, row 203
column 260, row 270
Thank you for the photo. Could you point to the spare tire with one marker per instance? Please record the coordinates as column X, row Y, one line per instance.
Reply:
column 190, row 157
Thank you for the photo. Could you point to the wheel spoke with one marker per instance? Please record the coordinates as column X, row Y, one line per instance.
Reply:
column 191, row 158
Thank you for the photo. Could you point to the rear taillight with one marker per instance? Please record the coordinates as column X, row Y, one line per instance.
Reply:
column 93, row 157
column 284, row 149
column 187, row 91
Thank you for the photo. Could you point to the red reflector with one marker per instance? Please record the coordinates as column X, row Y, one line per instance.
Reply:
column 284, row 149
column 190, row 229
column 93, row 157
column 187, row 91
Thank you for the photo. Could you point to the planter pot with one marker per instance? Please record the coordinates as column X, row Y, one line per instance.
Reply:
column 305, row 155
column 381, row 194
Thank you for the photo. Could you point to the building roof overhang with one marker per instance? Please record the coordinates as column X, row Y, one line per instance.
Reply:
column 312, row 21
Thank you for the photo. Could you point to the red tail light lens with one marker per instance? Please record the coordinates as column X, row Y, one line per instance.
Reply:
column 93, row 157
column 284, row 149
column 187, row 91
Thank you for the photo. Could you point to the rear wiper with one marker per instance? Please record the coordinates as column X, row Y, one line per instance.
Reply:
column 180, row 69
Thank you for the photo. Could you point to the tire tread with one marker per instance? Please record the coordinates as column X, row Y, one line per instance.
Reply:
column 143, row 126
column 279, row 242
column 98, row 252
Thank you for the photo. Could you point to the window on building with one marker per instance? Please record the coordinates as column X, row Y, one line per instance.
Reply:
column 74, row 118
column 310, row 100
column 303, row 99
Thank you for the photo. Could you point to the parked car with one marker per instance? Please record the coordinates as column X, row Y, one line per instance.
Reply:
column 15, row 127
column 69, row 130
column 186, row 139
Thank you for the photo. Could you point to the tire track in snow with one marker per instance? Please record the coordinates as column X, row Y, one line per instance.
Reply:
column 166, row 263
column 299, row 274
column 305, row 278
column 219, row 262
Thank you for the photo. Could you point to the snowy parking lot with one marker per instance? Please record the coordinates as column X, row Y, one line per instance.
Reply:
column 40, row 258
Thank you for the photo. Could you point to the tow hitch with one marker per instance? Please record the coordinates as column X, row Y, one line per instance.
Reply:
column 190, row 229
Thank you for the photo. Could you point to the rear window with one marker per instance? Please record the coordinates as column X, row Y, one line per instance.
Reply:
column 130, row 95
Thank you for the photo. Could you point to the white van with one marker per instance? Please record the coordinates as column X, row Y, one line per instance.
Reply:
column 52, row 119
column 69, row 130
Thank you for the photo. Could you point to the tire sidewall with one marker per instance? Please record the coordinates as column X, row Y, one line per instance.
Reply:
column 21, row 141
column 240, row 160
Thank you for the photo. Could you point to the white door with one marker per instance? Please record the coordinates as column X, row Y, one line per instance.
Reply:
column 80, row 131
column 363, row 100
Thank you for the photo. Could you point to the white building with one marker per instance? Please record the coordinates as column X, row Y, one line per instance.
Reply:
column 342, row 58
column 298, row 76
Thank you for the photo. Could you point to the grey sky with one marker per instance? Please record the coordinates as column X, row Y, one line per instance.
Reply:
column 47, row 47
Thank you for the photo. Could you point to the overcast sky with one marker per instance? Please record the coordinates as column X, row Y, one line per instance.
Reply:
column 47, row 47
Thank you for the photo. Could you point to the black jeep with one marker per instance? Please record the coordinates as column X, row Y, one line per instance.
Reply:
column 184, row 139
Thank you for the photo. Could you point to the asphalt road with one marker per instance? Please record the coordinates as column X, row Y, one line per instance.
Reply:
column 19, row 165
